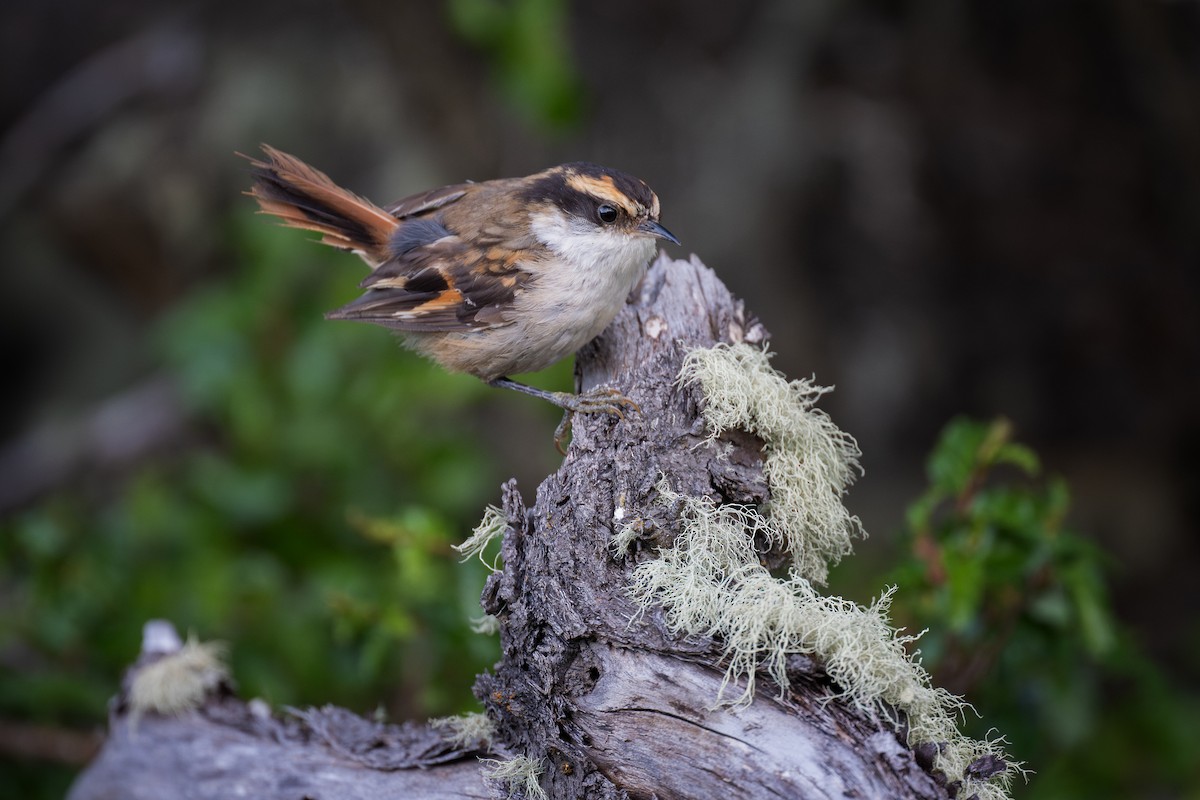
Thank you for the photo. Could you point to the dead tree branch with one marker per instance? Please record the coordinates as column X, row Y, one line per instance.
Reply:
column 598, row 693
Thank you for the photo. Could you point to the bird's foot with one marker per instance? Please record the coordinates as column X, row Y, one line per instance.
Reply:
column 601, row 400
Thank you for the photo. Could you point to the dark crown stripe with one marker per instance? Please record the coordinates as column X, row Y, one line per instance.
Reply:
column 554, row 187
column 633, row 188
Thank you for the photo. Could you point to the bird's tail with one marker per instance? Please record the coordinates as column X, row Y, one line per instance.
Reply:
column 303, row 197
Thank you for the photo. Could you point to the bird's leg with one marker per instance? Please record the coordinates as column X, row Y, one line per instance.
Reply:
column 601, row 400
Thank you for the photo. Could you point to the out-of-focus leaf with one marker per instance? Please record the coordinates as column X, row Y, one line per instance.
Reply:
column 1018, row 455
column 953, row 460
column 527, row 42
column 247, row 537
column 1085, row 584
column 1019, row 617
column 1052, row 608
column 965, row 587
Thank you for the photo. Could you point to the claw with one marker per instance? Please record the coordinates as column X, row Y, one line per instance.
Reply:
column 560, row 433
column 602, row 400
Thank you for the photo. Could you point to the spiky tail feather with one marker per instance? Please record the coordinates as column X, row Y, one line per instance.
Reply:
column 303, row 197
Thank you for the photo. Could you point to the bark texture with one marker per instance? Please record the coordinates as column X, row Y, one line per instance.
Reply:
column 600, row 694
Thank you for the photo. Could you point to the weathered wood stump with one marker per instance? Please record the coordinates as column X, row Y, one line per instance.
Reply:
column 590, row 687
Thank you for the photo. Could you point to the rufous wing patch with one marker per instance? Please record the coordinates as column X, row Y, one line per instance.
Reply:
column 445, row 301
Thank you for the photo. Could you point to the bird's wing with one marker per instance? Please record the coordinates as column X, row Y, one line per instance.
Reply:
column 436, row 280
column 426, row 276
column 431, row 200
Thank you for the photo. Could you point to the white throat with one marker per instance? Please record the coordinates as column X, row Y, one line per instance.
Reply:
column 604, row 254
column 583, row 288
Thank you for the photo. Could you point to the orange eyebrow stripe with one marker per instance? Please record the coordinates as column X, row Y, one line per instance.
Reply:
column 602, row 187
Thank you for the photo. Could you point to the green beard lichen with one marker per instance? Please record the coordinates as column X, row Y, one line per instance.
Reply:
column 712, row 582
column 178, row 681
column 475, row 730
column 516, row 774
column 492, row 526
column 809, row 462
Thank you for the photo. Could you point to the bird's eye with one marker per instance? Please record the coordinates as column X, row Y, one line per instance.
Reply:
column 606, row 213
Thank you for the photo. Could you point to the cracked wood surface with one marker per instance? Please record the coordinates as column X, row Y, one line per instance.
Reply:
column 650, row 737
column 609, row 702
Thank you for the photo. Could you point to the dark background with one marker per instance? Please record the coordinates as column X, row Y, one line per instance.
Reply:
column 989, row 208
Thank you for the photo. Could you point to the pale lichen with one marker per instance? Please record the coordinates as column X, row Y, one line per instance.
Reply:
column 178, row 681
column 712, row 582
column 492, row 526
column 475, row 730
column 809, row 462
column 486, row 625
column 518, row 774
column 625, row 536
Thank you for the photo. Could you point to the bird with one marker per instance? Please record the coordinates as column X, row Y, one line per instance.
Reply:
column 493, row 278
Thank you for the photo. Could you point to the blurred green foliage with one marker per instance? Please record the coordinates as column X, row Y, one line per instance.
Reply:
column 1018, row 619
column 528, row 42
column 309, row 524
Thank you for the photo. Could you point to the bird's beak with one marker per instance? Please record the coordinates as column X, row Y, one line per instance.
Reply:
column 654, row 229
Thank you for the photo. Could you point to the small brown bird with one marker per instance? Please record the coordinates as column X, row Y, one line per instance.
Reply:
column 492, row 278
